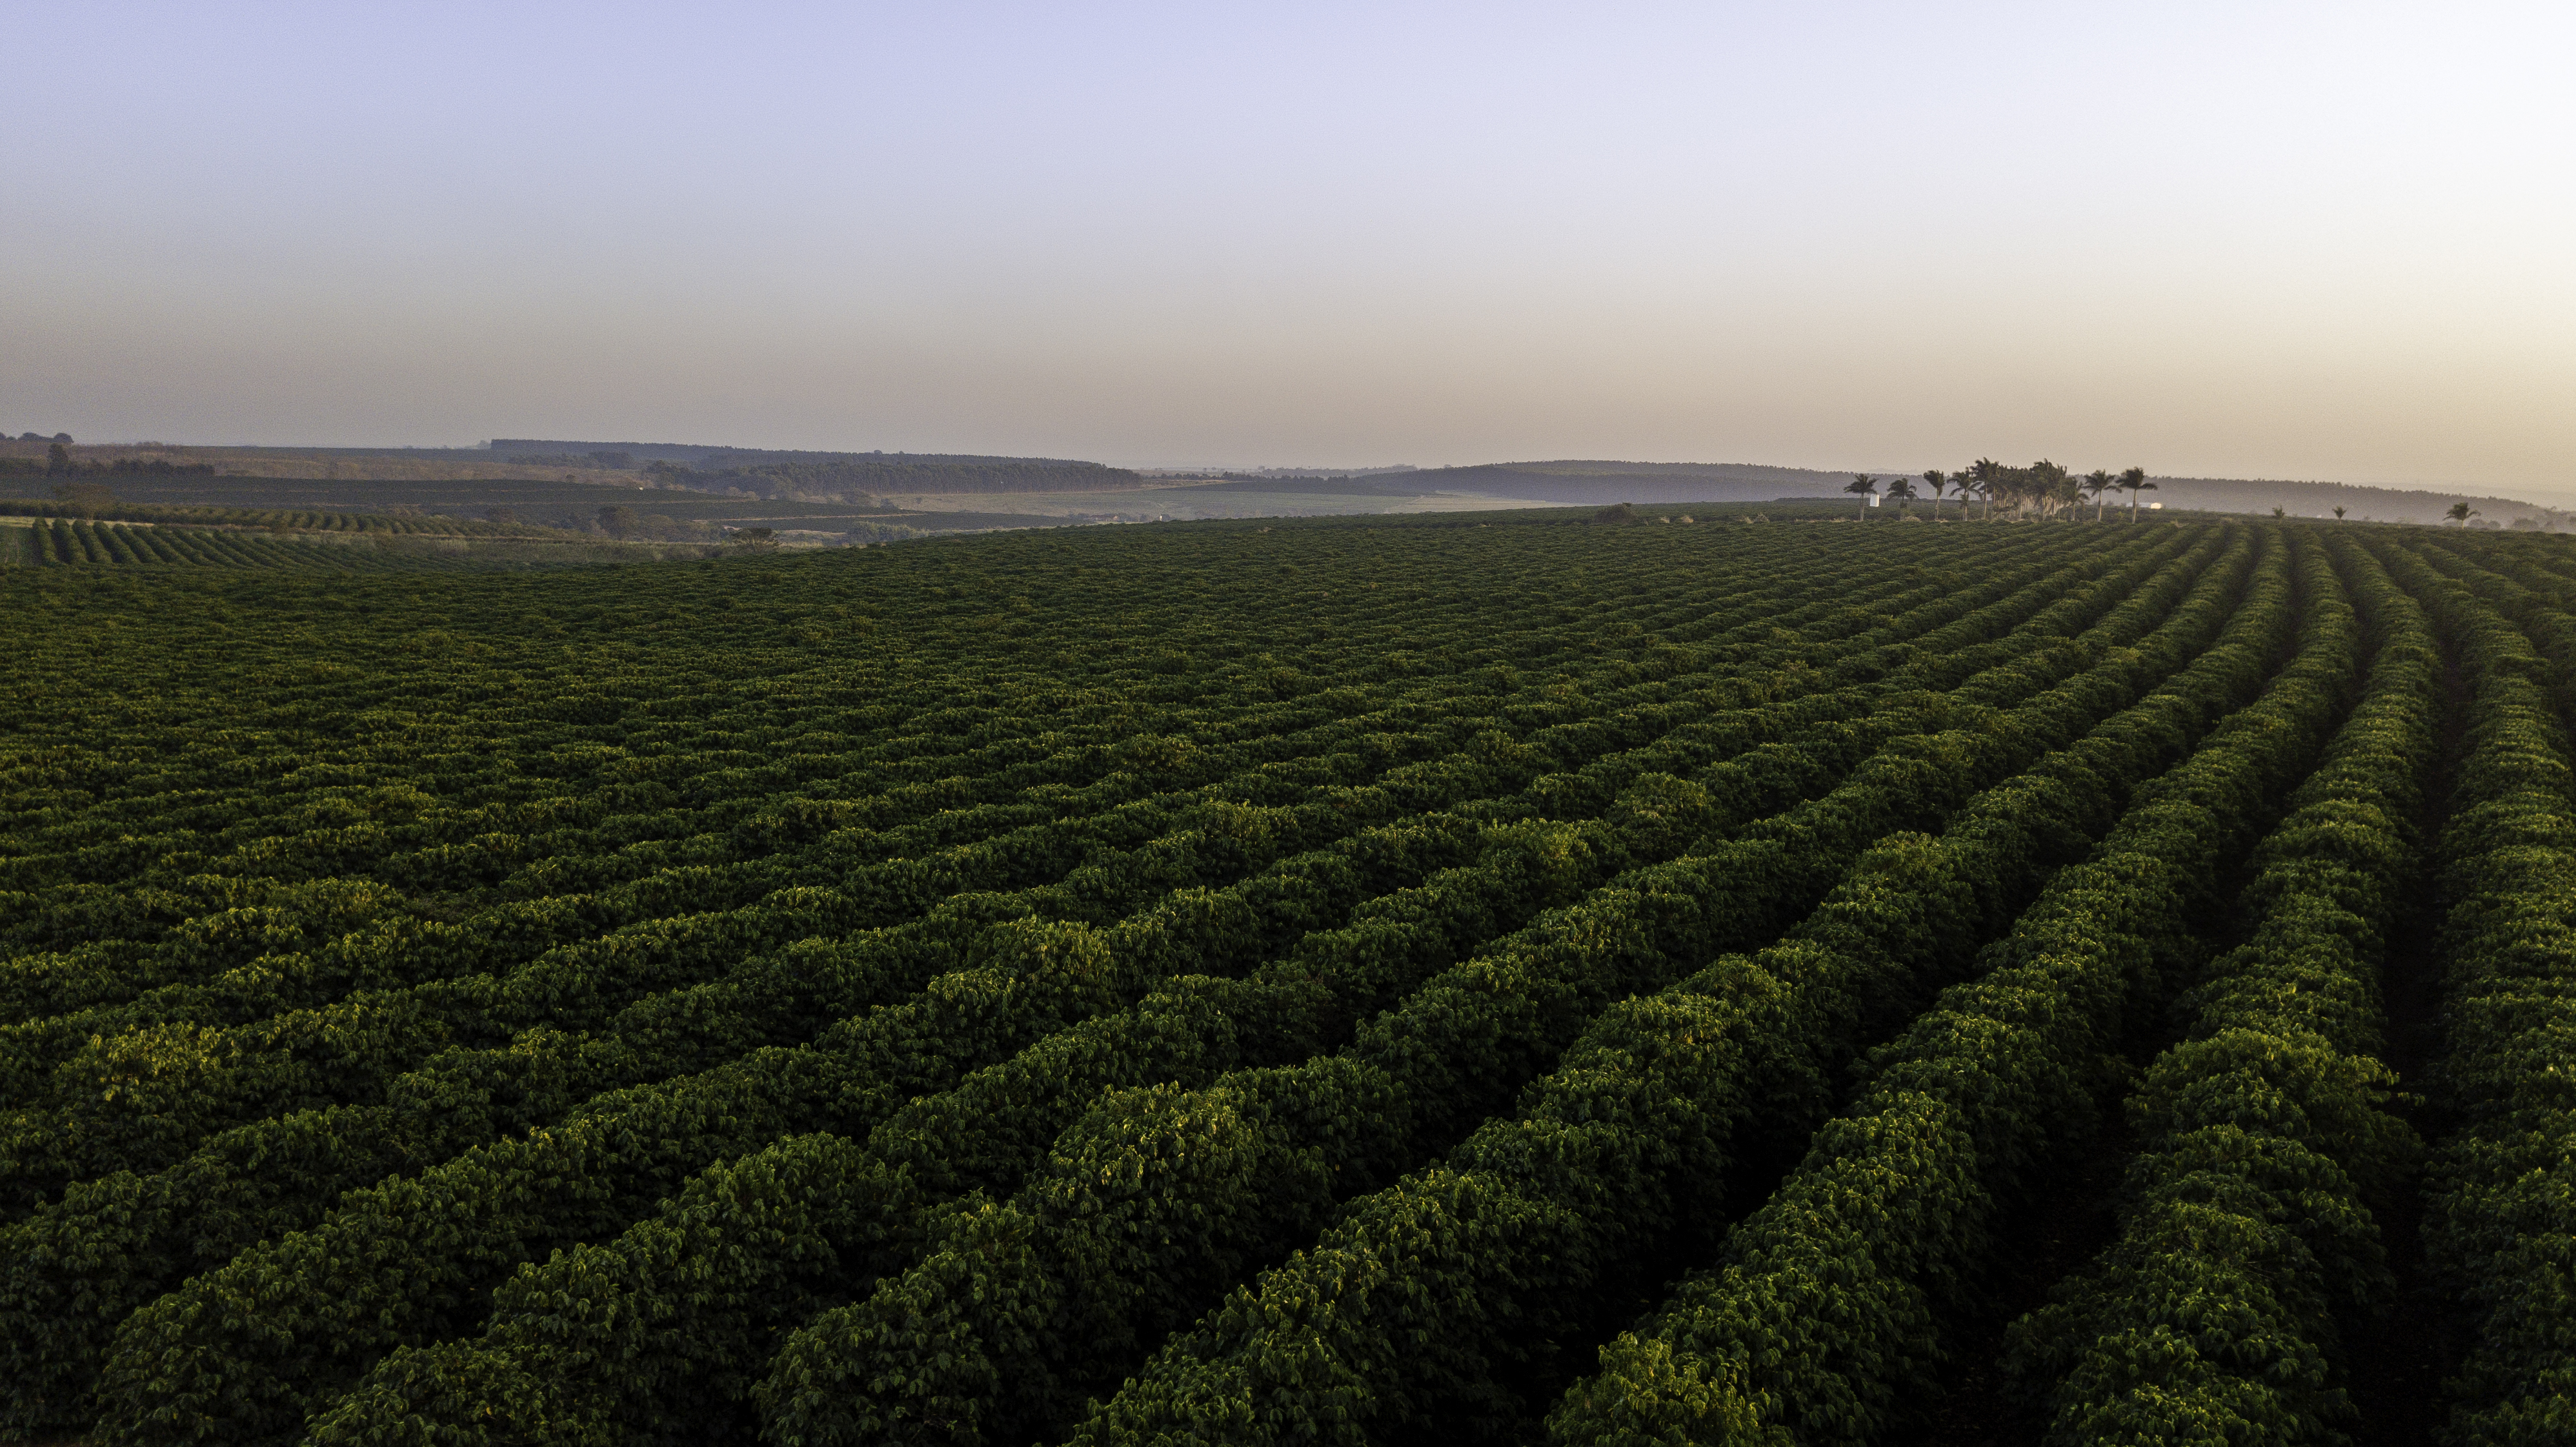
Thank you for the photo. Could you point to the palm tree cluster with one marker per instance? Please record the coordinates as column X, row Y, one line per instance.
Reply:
column 2044, row 489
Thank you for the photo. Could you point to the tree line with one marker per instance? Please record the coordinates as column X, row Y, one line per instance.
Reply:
column 58, row 462
column 866, row 481
column 2043, row 489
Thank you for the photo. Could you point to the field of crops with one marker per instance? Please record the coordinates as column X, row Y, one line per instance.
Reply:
column 1313, row 983
column 463, row 506
column 62, row 543
column 85, row 544
column 24, row 512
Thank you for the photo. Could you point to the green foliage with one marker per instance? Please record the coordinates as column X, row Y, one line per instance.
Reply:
column 2246, row 1229
column 2502, row 1200
column 1453, row 1053
column 1823, row 1309
column 1219, row 982
column 1058, row 818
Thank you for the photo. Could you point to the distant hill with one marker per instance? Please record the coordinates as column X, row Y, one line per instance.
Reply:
column 1605, row 482
column 2320, row 499
column 1318, row 484
column 702, row 455
column 866, row 482
column 816, row 475
column 1575, row 481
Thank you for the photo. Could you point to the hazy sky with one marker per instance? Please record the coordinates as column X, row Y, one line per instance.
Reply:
column 2226, row 239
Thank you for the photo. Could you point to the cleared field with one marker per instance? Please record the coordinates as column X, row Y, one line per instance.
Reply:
column 1377, row 980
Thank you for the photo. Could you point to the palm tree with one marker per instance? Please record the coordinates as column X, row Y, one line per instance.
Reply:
column 1935, row 479
column 2276, row 509
column 2338, row 514
column 1964, row 485
column 1901, row 492
column 1863, row 486
column 1989, row 475
column 2051, row 487
column 2010, row 489
column 2460, row 513
column 2096, row 483
column 2134, row 481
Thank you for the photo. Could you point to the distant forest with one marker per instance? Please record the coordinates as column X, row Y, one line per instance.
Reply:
column 871, row 478
column 823, row 476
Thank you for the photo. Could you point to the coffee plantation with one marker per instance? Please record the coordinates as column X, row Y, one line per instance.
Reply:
column 1495, row 978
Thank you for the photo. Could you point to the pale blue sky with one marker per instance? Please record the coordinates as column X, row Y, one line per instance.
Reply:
column 2278, row 240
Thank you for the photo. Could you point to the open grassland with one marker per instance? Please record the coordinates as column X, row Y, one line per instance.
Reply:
column 1370, row 980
